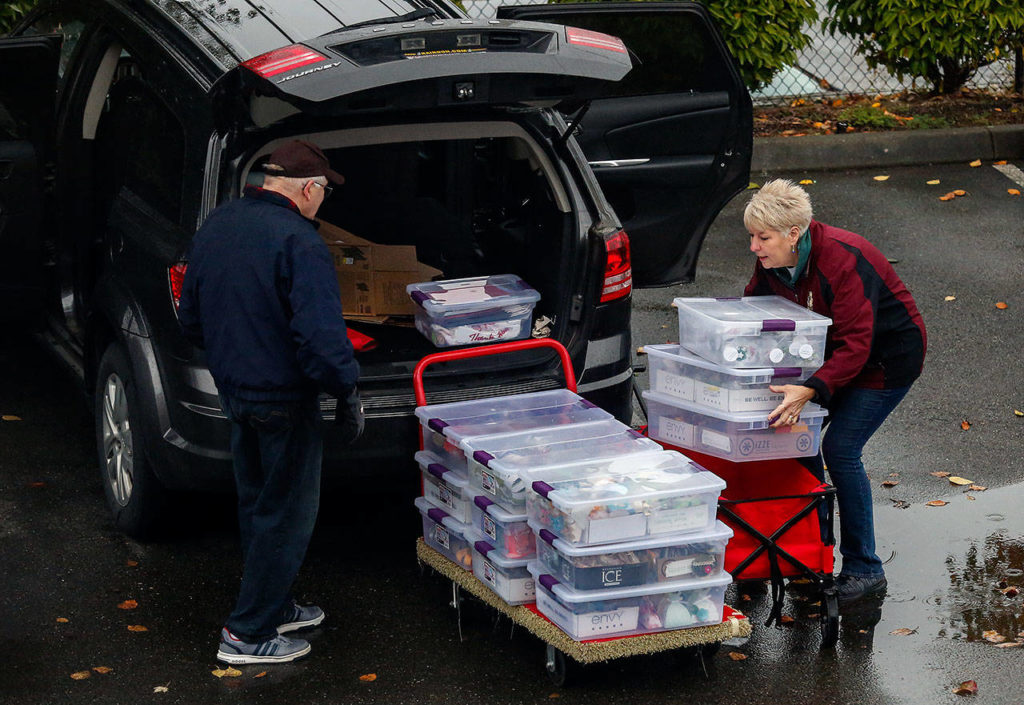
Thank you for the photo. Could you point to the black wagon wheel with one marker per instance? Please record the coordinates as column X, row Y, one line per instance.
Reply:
column 558, row 666
column 829, row 619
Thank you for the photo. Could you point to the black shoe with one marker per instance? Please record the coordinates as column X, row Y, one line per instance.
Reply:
column 850, row 588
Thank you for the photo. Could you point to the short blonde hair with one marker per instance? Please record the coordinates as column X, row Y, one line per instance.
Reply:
column 778, row 205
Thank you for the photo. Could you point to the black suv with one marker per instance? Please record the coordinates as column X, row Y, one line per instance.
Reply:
column 528, row 144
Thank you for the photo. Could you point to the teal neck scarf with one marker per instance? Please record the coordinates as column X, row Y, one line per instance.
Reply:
column 803, row 249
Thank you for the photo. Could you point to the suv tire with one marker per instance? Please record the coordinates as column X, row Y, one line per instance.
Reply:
column 135, row 496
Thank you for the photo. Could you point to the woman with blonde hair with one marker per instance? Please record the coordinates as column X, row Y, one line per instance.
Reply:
column 874, row 352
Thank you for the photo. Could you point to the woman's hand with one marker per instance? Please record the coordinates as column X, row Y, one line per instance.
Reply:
column 787, row 413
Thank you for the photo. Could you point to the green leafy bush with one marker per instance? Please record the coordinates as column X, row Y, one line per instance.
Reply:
column 865, row 116
column 942, row 42
column 763, row 35
column 11, row 11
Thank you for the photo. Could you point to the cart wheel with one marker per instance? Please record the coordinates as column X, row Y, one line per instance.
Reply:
column 557, row 666
column 829, row 620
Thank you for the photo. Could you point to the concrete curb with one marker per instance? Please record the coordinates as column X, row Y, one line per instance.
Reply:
column 886, row 149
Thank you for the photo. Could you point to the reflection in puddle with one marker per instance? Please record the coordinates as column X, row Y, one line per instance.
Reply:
column 975, row 601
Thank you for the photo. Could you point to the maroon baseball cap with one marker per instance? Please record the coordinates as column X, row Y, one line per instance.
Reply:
column 299, row 158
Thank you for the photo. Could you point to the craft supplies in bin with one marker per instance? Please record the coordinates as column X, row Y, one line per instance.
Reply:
column 621, row 498
column 507, row 577
column 497, row 464
column 444, row 534
column 445, row 488
column 594, row 614
column 738, row 437
column 752, row 331
column 509, row 533
column 678, row 373
column 445, row 426
column 631, row 563
column 474, row 310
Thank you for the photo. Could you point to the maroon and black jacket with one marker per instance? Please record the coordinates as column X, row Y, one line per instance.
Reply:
column 877, row 338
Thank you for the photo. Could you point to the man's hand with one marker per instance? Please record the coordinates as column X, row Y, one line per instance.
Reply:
column 349, row 417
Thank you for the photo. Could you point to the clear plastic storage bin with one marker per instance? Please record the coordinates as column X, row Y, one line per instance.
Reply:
column 734, row 436
column 507, row 577
column 509, row 533
column 678, row 373
column 753, row 331
column 445, row 488
column 497, row 464
column 474, row 310
column 595, row 614
column 618, row 499
column 445, row 426
column 631, row 563
column 446, row 535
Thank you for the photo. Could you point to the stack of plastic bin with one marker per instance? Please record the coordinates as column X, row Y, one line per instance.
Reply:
column 628, row 545
column 710, row 393
column 450, row 506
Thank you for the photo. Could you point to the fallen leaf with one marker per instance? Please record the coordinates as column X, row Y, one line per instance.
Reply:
column 976, row 162
column 128, row 605
column 103, row 670
column 226, row 672
column 813, row 615
column 1001, row 162
column 368, row 677
column 260, row 674
column 950, row 298
column 554, row 695
column 1013, row 191
column 737, row 656
column 1009, row 645
column 1018, row 412
column 936, row 503
column 959, row 192
column 63, row 620
column 900, row 504
column 965, row 424
column 967, row 687
column 890, row 483
column 977, row 488
column 37, row 484
column 971, row 497
column 947, row 197
column 992, row 636
column 80, row 675
column 137, row 628
column 806, row 182
column 876, row 105
column 786, row 619
column 939, row 473
column 1001, row 305
column 1010, row 591
column 10, row 417
column 933, row 182
column 903, row 631
column 960, row 481
column 882, row 178
column 160, row 689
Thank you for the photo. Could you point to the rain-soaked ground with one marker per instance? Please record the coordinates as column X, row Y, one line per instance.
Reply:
column 65, row 570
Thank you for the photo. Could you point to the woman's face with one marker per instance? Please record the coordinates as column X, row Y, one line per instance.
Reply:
column 774, row 248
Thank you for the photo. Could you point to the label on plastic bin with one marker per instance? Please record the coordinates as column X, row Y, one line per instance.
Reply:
column 617, row 528
column 444, row 496
column 675, row 431
column 716, row 440
column 442, row 537
column 674, row 385
column 490, row 528
column 489, row 483
column 713, row 396
column 684, row 519
column 489, row 573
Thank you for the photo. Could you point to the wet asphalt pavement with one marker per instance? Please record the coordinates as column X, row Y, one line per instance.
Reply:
column 62, row 560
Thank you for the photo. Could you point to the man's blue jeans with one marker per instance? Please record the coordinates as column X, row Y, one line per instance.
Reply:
column 854, row 416
column 277, row 449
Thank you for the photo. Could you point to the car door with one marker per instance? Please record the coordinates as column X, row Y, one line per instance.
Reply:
column 671, row 142
column 28, row 79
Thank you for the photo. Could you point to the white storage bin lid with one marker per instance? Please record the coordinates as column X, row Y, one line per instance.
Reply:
column 487, row 417
column 759, row 313
column 486, row 549
column 457, row 297
column 440, row 516
column 720, row 532
column 569, row 594
column 749, row 419
column 652, row 475
column 761, row 375
column 509, row 454
column 496, row 511
column 430, row 463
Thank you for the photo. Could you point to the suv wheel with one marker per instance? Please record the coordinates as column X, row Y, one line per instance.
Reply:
column 134, row 494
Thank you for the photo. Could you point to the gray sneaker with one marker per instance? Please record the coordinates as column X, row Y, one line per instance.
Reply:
column 297, row 617
column 279, row 649
column 850, row 588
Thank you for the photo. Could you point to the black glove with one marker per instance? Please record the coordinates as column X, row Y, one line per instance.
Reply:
column 349, row 417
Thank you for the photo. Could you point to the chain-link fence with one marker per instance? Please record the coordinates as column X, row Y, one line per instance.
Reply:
column 828, row 66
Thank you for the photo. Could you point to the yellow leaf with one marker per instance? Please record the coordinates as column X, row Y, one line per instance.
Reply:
column 160, row 689
column 1013, row 191
column 219, row 672
column 752, row 185
column 737, row 656
column 260, row 674
column 959, row 192
column 993, row 636
column 937, row 503
column 80, row 675
column 976, row 162
column 226, row 672
column 806, row 182
column 950, row 298
column 10, row 417
column 903, row 631
column 882, row 177
column 368, row 677
column 103, row 670
column 933, row 182
column 63, row 620
column 1018, row 412
column 876, row 105
column 960, row 481
column 128, row 605
column 137, row 628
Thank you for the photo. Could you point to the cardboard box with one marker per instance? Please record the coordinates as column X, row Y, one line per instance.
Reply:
column 372, row 277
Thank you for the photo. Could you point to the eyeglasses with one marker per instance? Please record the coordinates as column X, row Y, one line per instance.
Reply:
column 327, row 189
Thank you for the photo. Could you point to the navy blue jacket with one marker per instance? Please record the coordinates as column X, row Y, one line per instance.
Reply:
column 260, row 295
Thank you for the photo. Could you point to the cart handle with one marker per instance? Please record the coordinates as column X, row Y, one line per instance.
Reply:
column 497, row 349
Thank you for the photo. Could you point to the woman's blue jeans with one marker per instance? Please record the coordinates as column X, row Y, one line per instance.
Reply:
column 277, row 449
column 854, row 416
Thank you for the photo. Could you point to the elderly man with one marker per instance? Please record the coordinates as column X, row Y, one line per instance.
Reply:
column 260, row 296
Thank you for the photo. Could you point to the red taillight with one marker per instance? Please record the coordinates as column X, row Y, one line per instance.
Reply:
column 283, row 59
column 618, row 273
column 176, row 278
column 597, row 40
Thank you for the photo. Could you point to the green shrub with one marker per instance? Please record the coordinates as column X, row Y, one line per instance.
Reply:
column 764, row 36
column 11, row 11
column 864, row 116
column 927, row 122
column 940, row 41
